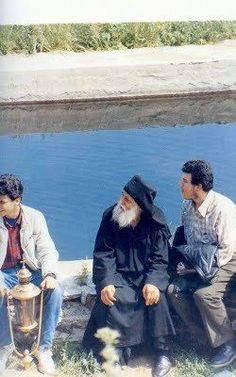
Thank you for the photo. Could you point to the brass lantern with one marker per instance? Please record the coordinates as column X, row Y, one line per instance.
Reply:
column 22, row 312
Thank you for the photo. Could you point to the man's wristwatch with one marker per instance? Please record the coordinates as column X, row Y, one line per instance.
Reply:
column 50, row 274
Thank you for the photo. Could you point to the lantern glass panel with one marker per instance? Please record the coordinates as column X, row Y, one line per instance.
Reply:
column 24, row 312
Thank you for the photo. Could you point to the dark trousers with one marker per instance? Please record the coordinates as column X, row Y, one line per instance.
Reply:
column 210, row 309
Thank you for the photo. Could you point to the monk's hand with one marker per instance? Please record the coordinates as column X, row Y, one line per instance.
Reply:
column 108, row 295
column 49, row 282
column 151, row 294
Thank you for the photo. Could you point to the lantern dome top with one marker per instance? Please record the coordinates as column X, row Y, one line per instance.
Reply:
column 25, row 290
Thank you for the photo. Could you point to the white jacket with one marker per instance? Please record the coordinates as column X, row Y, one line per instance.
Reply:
column 38, row 248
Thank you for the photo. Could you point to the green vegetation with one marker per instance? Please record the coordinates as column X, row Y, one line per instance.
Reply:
column 83, row 37
column 71, row 361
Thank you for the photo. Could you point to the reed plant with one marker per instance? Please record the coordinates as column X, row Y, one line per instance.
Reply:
column 85, row 37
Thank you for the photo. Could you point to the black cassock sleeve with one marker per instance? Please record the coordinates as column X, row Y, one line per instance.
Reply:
column 104, row 260
column 158, row 261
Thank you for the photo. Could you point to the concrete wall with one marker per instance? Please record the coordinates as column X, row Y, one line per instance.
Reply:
column 102, row 11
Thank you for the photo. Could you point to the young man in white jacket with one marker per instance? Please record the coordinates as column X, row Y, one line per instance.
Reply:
column 24, row 235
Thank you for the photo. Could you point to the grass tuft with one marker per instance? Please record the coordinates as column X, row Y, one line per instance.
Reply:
column 72, row 361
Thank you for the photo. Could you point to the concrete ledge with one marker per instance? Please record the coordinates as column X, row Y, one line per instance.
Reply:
column 75, row 278
column 79, row 297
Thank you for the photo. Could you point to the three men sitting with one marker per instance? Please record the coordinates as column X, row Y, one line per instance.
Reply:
column 131, row 269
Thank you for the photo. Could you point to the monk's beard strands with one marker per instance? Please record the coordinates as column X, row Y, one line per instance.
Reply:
column 122, row 216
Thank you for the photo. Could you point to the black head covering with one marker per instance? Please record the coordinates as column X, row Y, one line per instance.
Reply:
column 144, row 194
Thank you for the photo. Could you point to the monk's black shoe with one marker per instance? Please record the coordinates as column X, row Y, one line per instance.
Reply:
column 162, row 366
column 225, row 355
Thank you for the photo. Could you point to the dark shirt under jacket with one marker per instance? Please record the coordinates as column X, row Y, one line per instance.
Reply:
column 14, row 250
column 129, row 258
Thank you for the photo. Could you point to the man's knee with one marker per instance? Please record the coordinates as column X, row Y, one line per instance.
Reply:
column 54, row 295
column 58, row 293
column 203, row 294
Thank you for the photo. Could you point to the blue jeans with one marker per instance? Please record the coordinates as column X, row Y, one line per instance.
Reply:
column 52, row 305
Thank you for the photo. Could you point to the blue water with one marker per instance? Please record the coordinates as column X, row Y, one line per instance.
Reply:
column 72, row 177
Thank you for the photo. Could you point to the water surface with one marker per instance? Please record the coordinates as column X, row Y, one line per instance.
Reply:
column 73, row 177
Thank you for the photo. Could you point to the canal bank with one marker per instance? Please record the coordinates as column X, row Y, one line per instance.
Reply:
column 125, row 74
column 58, row 92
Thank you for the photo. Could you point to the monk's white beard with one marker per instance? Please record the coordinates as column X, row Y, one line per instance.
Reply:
column 122, row 216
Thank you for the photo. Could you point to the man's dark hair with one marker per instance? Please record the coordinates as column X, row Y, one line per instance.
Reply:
column 201, row 173
column 11, row 186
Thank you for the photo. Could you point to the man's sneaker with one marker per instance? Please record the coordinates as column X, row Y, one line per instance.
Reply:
column 45, row 362
column 5, row 352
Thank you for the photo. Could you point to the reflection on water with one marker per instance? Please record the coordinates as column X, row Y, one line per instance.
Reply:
column 72, row 177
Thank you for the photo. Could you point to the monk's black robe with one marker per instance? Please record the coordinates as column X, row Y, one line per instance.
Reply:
column 129, row 258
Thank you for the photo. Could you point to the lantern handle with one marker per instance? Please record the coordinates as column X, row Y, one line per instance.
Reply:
column 10, row 323
column 40, row 324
